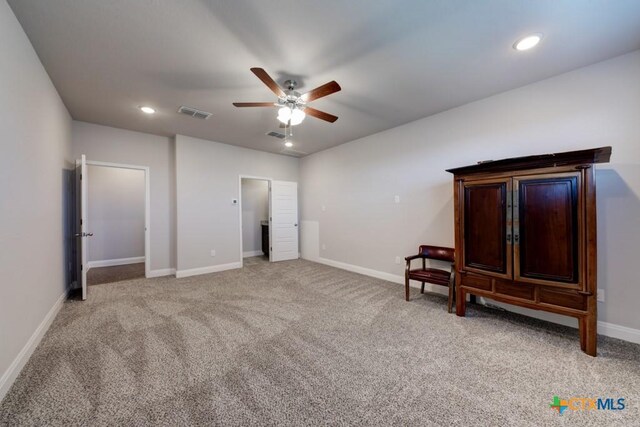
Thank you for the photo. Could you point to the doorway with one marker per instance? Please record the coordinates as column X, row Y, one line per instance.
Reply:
column 254, row 217
column 268, row 215
column 112, row 223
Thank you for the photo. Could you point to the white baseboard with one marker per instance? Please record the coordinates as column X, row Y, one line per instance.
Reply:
column 604, row 328
column 10, row 375
column 249, row 254
column 161, row 272
column 621, row 332
column 114, row 262
column 382, row 275
column 206, row 270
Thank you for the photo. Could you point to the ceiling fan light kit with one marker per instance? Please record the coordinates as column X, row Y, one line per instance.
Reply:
column 294, row 115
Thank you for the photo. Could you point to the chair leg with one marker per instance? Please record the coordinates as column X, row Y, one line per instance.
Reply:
column 452, row 288
column 422, row 289
column 406, row 288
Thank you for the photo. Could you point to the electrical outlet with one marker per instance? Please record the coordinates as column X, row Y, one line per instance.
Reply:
column 213, row 252
column 324, row 247
column 324, row 208
column 600, row 295
column 396, row 199
column 398, row 260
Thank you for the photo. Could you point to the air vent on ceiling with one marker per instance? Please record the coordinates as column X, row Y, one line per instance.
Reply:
column 293, row 152
column 276, row 135
column 193, row 112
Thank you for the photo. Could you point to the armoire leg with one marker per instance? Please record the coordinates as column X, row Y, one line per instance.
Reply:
column 591, row 336
column 461, row 302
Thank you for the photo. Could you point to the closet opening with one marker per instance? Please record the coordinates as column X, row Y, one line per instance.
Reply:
column 117, row 222
column 254, row 220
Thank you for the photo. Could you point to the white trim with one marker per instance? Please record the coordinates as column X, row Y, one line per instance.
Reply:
column 604, row 328
column 259, row 178
column 12, row 372
column 114, row 262
column 206, row 270
column 382, row 275
column 617, row 331
column 147, row 206
column 161, row 273
column 250, row 254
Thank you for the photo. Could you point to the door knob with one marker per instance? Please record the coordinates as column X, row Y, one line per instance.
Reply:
column 83, row 234
column 295, row 225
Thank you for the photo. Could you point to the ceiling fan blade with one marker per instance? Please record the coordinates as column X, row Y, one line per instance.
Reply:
column 254, row 104
column 320, row 114
column 266, row 79
column 319, row 92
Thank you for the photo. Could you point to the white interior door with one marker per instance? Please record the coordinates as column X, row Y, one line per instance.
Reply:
column 81, row 224
column 283, row 227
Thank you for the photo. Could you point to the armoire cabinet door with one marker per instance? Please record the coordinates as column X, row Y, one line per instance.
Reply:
column 487, row 226
column 547, row 223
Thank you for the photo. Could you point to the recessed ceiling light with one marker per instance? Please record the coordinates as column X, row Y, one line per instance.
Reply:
column 288, row 144
column 147, row 110
column 528, row 42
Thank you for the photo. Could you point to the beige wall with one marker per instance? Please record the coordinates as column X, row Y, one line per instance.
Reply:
column 593, row 106
column 107, row 144
column 115, row 214
column 35, row 184
column 255, row 208
column 208, row 178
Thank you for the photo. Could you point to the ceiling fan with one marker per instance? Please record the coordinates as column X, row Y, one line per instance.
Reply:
column 293, row 105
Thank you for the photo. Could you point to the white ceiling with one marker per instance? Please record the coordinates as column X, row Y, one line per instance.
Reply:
column 396, row 61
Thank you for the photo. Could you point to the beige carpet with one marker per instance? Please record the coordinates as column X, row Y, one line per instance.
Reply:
column 117, row 273
column 298, row 343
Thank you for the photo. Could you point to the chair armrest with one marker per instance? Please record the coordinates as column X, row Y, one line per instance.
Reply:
column 408, row 260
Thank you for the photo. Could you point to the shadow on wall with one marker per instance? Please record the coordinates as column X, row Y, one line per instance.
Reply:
column 618, row 211
column 441, row 225
column 68, row 223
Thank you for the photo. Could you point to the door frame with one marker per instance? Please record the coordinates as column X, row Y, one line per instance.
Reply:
column 259, row 178
column 147, row 206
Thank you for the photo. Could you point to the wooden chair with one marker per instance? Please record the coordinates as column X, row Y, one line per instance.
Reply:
column 431, row 275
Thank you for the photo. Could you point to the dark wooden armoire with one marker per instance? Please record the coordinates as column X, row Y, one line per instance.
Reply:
column 525, row 234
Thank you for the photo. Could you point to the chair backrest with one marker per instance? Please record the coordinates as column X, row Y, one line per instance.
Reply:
column 438, row 252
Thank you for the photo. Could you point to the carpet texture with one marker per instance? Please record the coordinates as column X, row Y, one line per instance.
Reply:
column 299, row 343
column 117, row 273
